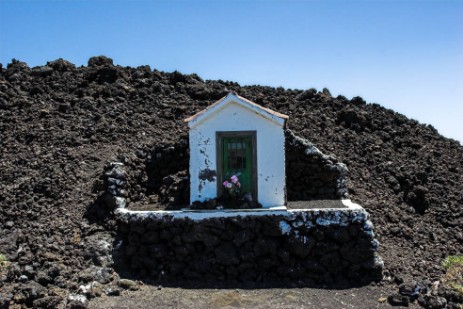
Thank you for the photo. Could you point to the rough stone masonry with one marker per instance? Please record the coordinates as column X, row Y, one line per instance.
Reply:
column 326, row 246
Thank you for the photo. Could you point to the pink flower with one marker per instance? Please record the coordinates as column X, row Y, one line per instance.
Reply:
column 238, row 184
column 225, row 183
column 229, row 185
column 234, row 179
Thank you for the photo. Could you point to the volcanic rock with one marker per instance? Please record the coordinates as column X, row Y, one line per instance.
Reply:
column 61, row 126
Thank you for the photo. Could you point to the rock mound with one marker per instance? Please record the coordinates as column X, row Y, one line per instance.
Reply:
column 61, row 125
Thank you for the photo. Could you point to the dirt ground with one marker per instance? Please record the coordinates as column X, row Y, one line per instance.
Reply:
column 153, row 297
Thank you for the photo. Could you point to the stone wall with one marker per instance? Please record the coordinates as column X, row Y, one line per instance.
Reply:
column 166, row 160
column 115, row 179
column 302, row 247
column 310, row 174
column 160, row 176
column 167, row 171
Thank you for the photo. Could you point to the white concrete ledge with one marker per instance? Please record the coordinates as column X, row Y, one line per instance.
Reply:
column 322, row 216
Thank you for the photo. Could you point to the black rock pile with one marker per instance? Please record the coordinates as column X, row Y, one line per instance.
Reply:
column 60, row 126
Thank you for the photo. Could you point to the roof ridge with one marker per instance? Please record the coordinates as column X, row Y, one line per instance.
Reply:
column 234, row 94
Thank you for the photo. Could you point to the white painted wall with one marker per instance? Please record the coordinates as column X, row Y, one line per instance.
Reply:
column 270, row 152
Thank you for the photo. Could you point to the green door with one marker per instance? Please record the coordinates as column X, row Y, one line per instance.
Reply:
column 237, row 160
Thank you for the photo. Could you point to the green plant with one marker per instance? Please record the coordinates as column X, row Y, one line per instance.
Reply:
column 3, row 262
column 454, row 272
column 452, row 261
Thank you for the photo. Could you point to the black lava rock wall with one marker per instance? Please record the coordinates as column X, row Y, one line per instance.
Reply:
column 335, row 247
column 310, row 174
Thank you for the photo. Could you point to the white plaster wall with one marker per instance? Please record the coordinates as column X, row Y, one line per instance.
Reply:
column 270, row 153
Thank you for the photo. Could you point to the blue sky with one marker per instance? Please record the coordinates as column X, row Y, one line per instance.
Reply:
column 404, row 55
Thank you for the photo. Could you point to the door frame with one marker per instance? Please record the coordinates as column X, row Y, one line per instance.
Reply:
column 218, row 141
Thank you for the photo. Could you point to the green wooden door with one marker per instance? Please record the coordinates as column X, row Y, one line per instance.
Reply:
column 237, row 160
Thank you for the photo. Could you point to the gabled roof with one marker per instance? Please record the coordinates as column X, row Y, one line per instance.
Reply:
column 233, row 97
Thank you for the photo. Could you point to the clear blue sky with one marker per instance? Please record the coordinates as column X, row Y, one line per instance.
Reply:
column 404, row 55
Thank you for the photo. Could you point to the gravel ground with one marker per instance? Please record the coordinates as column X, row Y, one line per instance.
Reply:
column 315, row 204
column 150, row 297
